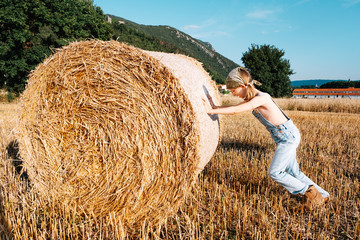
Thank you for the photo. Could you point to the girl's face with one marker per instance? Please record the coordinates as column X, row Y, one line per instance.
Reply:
column 239, row 91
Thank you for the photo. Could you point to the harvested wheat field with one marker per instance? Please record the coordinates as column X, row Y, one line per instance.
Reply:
column 233, row 197
column 107, row 131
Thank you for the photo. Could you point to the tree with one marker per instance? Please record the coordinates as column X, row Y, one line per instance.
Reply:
column 29, row 29
column 341, row 84
column 267, row 65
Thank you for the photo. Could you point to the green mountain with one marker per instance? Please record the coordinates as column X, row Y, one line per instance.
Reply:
column 326, row 82
column 171, row 40
column 311, row 82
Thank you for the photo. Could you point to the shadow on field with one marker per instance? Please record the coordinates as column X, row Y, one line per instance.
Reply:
column 5, row 230
column 244, row 146
column 14, row 155
column 250, row 181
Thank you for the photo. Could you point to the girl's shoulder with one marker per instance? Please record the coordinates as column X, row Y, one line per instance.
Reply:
column 262, row 93
column 261, row 98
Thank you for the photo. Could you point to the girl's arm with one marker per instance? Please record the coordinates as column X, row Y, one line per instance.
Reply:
column 212, row 104
column 242, row 107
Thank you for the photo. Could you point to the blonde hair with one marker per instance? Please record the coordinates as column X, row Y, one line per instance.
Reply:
column 240, row 76
column 248, row 83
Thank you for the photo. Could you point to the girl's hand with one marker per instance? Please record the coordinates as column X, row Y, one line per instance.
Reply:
column 206, row 105
column 212, row 104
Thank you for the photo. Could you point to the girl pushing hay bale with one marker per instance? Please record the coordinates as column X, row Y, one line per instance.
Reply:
column 106, row 127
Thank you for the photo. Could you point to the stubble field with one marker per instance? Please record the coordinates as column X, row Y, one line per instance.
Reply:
column 234, row 198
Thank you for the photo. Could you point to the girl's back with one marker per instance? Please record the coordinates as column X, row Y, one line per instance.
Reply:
column 270, row 110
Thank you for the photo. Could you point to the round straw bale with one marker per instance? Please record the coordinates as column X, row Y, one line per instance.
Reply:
column 196, row 83
column 105, row 127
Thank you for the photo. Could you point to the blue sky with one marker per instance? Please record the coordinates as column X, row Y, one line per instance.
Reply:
column 321, row 39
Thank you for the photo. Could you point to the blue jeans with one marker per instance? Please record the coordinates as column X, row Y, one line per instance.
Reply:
column 284, row 169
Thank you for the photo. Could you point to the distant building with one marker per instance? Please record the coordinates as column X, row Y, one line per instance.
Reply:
column 108, row 19
column 327, row 93
column 221, row 87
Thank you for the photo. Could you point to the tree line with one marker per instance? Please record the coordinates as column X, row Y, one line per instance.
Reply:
column 341, row 84
column 32, row 30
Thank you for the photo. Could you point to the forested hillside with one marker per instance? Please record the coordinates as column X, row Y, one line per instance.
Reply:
column 30, row 31
column 169, row 39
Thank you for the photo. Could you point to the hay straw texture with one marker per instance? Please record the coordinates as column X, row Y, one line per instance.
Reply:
column 105, row 128
column 196, row 82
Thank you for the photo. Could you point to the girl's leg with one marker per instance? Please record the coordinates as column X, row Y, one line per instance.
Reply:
column 293, row 170
column 284, row 156
column 284, row 169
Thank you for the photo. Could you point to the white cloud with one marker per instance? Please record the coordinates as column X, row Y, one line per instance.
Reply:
column 261, row 14
column 264, row 32
column 189, row 27
column 208, row 28
column 208, row 34
column 194, row 27
column 266, row 21
column 349, row 3
column 302, row 2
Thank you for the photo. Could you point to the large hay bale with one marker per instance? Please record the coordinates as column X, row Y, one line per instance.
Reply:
column 195, row 82
column 105, row 127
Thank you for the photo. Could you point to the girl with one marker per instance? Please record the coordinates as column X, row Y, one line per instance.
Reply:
column 284, row 168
